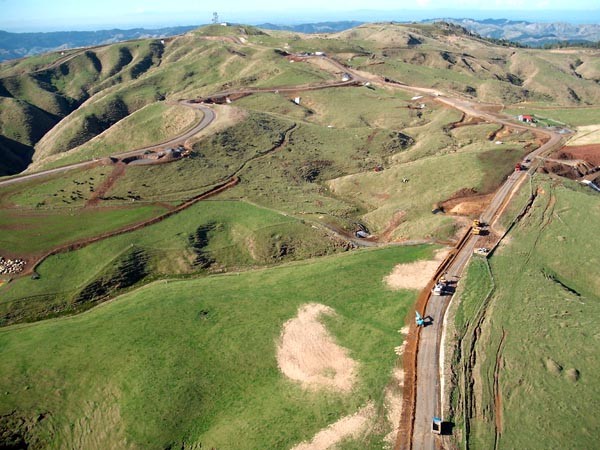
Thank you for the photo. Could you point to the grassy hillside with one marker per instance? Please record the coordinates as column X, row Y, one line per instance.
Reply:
column 434, row 55
column 184, row 355
column 209, row 237
column 530, row 388
column 149, row 125
column 115, row 81
column 196, row 360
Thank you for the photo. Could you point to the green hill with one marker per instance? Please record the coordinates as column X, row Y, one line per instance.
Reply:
column 156, row 293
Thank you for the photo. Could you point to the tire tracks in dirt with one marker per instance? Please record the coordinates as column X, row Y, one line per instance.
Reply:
column 117, row 172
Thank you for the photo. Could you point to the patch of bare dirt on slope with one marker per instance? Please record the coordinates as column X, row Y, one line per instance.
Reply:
column 393, row 404
column 589, row 153
column 415, row 275
column 307, row 353
column 466, row 202
column 347, row 427
column 394, row 393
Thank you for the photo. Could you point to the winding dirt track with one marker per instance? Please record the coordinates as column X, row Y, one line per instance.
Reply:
column 422, row 386
column 207, row 119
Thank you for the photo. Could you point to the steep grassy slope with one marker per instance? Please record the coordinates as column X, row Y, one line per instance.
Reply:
column 210, row 237
column 46, row 94
column 190, row 363
column 152, row 124
column 533, row 350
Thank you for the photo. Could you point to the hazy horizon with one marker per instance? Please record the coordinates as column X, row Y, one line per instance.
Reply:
column 69, row 15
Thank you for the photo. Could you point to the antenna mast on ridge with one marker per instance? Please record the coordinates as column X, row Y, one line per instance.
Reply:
column 215, row 18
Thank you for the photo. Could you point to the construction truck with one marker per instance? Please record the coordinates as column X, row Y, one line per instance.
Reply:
column 477, row 231
column 477, row 223
column 438, row 289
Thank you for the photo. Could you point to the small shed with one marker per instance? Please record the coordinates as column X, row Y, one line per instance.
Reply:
column 527, row 118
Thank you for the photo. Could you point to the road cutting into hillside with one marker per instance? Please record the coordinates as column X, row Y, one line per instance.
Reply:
column 426, row 399
column 207, row 118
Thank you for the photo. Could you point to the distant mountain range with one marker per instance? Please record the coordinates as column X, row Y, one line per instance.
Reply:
column 529, row 33
column 310, row 28
column 19, row 45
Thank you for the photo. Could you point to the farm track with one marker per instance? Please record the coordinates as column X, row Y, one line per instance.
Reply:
column 118, row 172
column 85, row 242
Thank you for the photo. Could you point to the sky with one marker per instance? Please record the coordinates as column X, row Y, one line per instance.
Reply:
column 57, row 15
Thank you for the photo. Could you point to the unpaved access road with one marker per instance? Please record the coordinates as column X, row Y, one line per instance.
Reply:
column 429, row 367
column 427, row 403
column 207, row 119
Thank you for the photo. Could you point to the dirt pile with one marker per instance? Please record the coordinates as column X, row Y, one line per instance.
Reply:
column 307, row 353
column 414, row 275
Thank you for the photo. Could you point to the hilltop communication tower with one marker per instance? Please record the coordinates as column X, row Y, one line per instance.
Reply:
column 215, row 18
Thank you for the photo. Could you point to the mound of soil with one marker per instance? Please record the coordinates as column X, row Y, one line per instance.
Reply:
column 563, row 170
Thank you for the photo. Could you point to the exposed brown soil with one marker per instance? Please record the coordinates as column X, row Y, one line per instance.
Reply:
column 589, row 153
column 414, row 275
column 307, row 353
column 465, row 121
column 501, row 133
column 466, row 202
column 395, row 221
column 562, row 170
column 107, row 184
column 347, row 427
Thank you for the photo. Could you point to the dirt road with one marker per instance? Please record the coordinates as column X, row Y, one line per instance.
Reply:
column 427, row 403
column 429, row 367
column 207, row 118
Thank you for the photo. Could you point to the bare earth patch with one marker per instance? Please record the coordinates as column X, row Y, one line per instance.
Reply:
column 347, row 427
column 589, row 134
column 415, row 275
column 393, row 404
column 307, row 353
